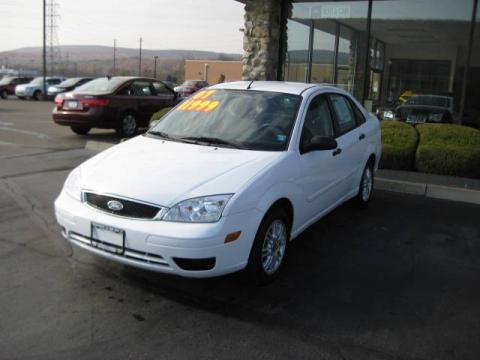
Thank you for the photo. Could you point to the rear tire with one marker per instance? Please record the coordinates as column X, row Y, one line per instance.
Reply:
column 4, row 94
column 365, row 188
column 269, row 248
column 37, row 95
column 128, row 125
column 80, row 130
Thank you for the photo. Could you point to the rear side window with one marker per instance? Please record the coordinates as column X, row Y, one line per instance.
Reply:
column 141, row 88
column 161, row 89
column 358, row 113
column 345, row 115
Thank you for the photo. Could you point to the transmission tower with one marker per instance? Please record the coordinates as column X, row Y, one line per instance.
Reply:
column 53, row 51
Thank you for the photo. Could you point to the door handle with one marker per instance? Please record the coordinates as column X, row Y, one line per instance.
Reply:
column 336, row 152
column 361, row 137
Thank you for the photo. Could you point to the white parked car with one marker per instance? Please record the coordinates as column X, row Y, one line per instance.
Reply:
column 34, row 89
column 225, row 180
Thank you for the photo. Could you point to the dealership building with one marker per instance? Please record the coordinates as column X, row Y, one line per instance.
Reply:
column 375, row 49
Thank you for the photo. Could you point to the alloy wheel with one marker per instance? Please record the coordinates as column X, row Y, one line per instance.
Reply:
column 274, row 246
column 367, row 183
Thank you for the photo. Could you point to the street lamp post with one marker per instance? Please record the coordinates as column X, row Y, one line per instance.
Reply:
column 155, row 66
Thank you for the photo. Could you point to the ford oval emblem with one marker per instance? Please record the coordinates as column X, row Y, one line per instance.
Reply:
column 115, row 205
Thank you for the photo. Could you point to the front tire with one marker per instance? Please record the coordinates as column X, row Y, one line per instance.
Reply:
column 128, row 125
column 366, row 186
column 80, row 130
column 37, row 95
column 269, row 247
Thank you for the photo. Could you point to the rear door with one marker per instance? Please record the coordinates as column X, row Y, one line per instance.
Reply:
column 350, row 136
column 144, row 94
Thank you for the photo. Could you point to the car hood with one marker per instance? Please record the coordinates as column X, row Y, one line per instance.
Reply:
column 165, row 172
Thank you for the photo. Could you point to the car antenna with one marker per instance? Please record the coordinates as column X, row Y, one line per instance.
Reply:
column 249, row 85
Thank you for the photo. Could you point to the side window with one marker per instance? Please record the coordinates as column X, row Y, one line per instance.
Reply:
column 318, row 121
column 344, row 113
column 161, row 89
column 141, row 88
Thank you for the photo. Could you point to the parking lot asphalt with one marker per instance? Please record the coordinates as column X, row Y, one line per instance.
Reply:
column 399, row 280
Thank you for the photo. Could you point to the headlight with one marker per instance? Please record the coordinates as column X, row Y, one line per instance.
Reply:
column 388, row 114
column 200, row 210
column 72, row 185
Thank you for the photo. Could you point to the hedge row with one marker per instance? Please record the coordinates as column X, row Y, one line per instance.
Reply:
column 399, row 143
column 447, row 149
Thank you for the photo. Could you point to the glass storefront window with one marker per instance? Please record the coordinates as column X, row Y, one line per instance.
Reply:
column 332, row 54
column 346, row 59
column 296, row 61
column 413, row 47
column 323, row 52
column 424, row 44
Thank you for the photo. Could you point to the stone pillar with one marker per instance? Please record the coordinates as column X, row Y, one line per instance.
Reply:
column 261, row 39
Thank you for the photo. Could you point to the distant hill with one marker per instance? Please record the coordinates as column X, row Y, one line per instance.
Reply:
column 98, row 52
column 97, row 60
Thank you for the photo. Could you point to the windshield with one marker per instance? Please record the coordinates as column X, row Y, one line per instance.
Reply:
column 69, row 82
column 441, row 101
column 37, row 80
column 247, row 119
column 101, row 85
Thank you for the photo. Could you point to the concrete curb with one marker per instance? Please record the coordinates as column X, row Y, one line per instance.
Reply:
column 429, row 190
column 97, row 145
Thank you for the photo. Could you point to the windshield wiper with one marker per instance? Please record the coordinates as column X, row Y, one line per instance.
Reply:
column 166, row 136
column 213, row 141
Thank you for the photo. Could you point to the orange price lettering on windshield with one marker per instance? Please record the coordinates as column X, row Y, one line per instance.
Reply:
column 199, row 102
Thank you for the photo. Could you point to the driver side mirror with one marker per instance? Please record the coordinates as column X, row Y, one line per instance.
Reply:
column 318, row 143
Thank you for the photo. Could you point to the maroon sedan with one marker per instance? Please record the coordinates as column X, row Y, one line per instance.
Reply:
column 190, row 86
column 121, row 103
column 9, row 83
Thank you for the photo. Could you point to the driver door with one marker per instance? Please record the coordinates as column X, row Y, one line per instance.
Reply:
column 319, row 172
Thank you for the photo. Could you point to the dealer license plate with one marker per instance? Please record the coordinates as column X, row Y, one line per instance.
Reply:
column 108, row 238
column 416, row 118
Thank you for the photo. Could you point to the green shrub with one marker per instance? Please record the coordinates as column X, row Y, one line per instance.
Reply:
column 448, row 149
column 399, row 143
column 158, row 115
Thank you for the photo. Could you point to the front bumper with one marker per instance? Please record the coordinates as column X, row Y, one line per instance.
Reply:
column 157, row 245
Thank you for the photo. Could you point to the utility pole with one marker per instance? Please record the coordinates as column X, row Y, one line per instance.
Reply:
column 114, row 55
column 140, row 59
column 155, row 66
column 54, row 51
column 44, row 53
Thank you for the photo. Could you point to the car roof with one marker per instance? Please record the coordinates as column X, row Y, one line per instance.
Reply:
column 295, row 88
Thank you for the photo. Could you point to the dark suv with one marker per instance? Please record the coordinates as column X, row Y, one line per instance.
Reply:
column 9, row 83
column 121, row 103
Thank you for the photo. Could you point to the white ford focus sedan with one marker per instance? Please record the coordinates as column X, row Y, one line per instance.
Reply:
column 225, row 180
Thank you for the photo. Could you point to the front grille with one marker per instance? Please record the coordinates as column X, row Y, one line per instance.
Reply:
column 130, row 209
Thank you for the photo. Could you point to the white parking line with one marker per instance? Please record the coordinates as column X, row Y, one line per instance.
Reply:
column 4, row 123
column 26, row 132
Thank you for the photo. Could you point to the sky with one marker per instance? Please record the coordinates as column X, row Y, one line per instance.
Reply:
column 211, row 25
